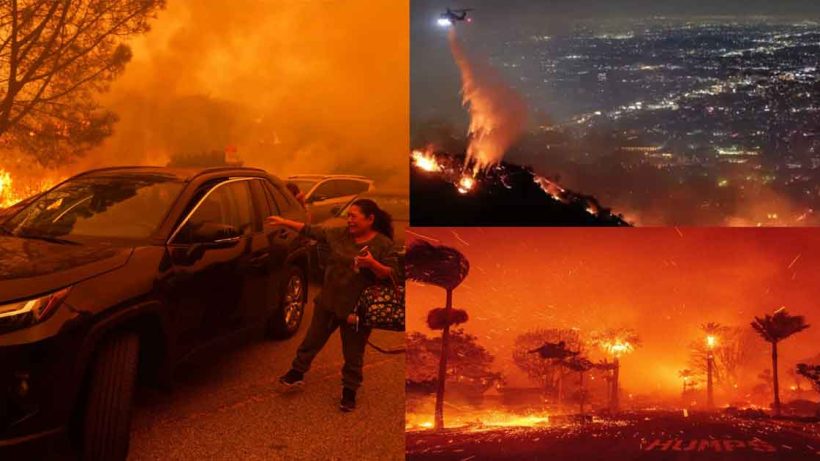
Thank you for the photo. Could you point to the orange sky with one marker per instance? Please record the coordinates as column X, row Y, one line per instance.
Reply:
column 662, row 282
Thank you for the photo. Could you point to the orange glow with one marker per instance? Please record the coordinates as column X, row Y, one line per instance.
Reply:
column 662, row 283
column 478, row 420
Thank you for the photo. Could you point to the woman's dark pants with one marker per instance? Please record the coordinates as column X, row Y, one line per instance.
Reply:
column 322, row 325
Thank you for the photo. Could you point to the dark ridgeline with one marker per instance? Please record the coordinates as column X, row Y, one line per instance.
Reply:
column 507, row 195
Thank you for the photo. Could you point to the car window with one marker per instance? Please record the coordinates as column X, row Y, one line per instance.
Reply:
column 263, row 200
column 228, row 204
column 352, row 187
column 326, row 190
column 284, row 202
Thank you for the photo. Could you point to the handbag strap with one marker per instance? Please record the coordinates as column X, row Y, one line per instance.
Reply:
column 386, row 351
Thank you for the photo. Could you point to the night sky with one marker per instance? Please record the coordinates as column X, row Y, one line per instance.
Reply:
column 434, row 77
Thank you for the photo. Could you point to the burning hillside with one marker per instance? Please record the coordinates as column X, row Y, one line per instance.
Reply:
column 444, row 193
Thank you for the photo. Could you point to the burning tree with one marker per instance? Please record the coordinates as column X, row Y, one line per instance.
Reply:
column 544, row 367
column 616, row 342
column 735, row 349
column 444, row 267
column 55, row 55
column 775, row 328
column 469, row 364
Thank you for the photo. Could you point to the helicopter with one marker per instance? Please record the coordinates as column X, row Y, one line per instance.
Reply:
column 451, row 16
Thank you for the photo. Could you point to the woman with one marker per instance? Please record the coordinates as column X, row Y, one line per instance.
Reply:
column 360, row 255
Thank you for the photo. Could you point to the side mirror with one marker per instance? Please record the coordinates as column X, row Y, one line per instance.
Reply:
column 215, row 235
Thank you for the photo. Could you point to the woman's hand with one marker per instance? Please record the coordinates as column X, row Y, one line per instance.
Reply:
column 275, row 220
column 366, row 260
column 280, row 221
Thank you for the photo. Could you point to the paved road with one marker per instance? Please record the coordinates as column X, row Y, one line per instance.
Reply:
column 226, row 408
column 640, row 436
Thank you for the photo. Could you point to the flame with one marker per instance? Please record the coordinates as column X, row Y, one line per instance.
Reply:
column 14, row 188
column 426, row 161
column 711, row 341
column 617, row 347
column 466, row 184
column 7, row 195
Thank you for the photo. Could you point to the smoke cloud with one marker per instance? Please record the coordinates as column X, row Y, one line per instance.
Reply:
column 295, row 86
column 497, row 113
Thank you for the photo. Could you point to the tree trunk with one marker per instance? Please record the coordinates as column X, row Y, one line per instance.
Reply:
column 442, row 364
column 710, row 400
column 775, row 383
column 615, row 392
column 560, row 398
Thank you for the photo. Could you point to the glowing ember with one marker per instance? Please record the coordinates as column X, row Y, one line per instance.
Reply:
column 466, row 184
column 425, row 161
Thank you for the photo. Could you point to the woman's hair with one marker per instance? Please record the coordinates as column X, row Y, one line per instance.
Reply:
column 382, row 221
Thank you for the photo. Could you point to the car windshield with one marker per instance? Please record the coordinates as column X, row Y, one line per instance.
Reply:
column 304, row 185
column 118, row 207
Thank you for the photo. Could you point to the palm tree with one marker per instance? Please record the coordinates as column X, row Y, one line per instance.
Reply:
column 712, row 330
column 616, row 342
column 775, row 328
column 444, row 267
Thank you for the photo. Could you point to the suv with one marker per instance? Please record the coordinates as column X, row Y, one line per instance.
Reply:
column 327, row 193
column 125, row 272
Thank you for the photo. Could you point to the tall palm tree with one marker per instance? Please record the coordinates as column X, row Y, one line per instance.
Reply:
column 444, row 267
column 616, row 342
column 775, row 328
column 712, row 330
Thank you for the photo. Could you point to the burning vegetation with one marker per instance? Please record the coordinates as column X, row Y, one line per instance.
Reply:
column 446, row 193
column 555, row 343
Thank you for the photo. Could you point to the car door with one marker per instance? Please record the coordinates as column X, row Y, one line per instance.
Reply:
column 269, row 254
column 207, row 283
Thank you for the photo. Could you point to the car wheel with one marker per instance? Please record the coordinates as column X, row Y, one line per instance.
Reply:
column 107, row 421
column 287, row 316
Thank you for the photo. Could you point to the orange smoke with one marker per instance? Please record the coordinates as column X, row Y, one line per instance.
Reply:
column 497, row 112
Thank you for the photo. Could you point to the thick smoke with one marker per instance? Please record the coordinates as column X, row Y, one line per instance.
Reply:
column 497, row 113
column 295, row 86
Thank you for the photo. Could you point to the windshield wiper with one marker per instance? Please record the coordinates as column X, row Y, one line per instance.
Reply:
column 47, row 238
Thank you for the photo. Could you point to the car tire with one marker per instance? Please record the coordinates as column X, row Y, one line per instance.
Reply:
column 287, row 316
column 107, row 418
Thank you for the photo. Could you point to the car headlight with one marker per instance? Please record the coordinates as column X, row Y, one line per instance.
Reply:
column 29, row 312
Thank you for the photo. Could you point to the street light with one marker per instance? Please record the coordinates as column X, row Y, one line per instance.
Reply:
column 711, row 342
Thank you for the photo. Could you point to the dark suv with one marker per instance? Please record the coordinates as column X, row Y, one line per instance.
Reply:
column 124, row 272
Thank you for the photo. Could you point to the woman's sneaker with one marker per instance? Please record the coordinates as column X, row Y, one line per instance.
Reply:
column 291, row 380
column 348, row 402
